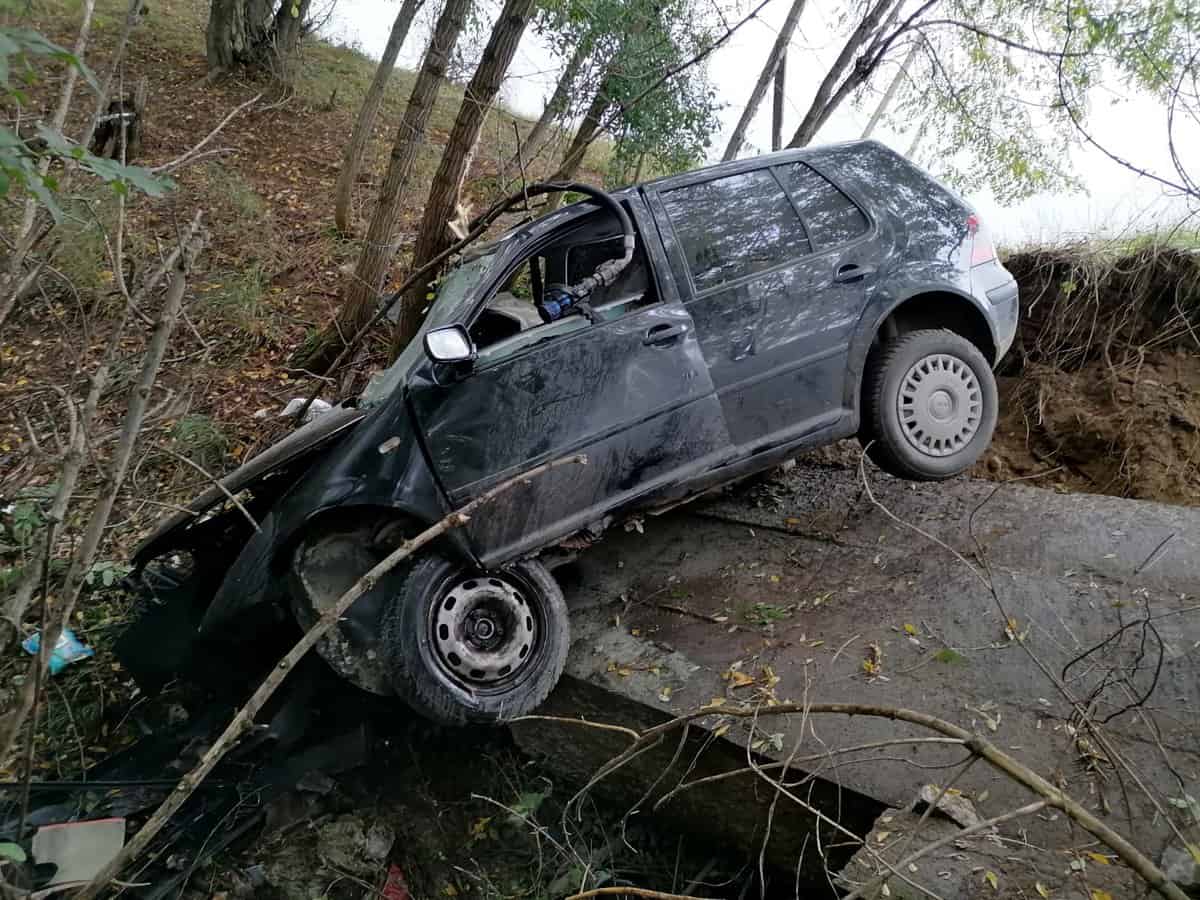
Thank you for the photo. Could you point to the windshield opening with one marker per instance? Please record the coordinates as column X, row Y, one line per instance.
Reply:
column 454, row 292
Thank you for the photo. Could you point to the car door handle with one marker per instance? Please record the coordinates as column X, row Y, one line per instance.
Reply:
column 663, row 334
column 848, row 274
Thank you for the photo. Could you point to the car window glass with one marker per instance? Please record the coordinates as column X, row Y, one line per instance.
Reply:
column 735, row 226
column 831, row 216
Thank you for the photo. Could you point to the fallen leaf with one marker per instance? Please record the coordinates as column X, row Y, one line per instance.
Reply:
column 716, row 701
column 720, row 731
column 910, row 628
column 665, row 694
column 1041, row 889
column 882, row 836
column 990, row 877
column 1099, row 858
column 740, row 679
column 1098, row 894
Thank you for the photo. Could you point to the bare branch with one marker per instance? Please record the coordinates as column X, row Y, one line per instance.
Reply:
column 195, row 151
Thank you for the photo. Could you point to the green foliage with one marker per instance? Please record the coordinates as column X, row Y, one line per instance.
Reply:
column 240, row 300
column 766, row 613
column 20, row 160
column 636, row 43
column 1004, row 106
column 22, row 520
column 105, row 573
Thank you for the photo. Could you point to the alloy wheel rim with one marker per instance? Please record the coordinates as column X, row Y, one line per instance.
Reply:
column 940, row 405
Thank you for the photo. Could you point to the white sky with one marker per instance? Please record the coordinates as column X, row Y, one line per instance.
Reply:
column 1114, row 200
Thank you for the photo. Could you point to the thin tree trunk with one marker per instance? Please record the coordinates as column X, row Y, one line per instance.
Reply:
column 14, row 282
column 89, row 543
column 764, row 79
column 362, row 291
column 284, row 37
column 586, row 133
column 365, row 123
column 829, row 95
column 890, row 94
column 555, row 106
column 911, row 153
column 446, row 190
column 777, row 106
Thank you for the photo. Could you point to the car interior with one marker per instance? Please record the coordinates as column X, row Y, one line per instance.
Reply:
column 511, row 319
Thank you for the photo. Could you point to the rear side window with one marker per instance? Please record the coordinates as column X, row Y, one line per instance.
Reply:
column 831, row 216
column 735, row 226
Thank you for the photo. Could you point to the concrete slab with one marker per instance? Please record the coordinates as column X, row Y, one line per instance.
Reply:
column 803, row 580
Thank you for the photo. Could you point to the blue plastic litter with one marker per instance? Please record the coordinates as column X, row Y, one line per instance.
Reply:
column 68, row 649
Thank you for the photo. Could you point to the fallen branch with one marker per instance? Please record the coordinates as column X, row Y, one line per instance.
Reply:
column 244, row 717
column 194, row 152
column 877, row 882
column 993, row 755
column 216, row 482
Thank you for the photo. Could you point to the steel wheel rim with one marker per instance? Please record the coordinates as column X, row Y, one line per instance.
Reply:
column 485, row 632
column 939, row 405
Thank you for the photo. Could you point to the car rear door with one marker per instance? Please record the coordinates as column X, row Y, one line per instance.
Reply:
column 774, row 296
column 632, row 392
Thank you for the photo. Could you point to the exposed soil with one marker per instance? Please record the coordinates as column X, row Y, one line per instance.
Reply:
column 1100, row 392
column 1128, row 433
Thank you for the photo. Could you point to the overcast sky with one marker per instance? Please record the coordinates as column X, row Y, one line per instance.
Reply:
column 1115, row 199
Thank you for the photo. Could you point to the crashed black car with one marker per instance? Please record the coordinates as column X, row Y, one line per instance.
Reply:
column 682, row 334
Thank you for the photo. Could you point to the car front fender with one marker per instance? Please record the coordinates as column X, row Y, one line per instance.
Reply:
column 381, row 465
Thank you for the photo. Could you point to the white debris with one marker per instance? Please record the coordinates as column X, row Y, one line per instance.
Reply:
column 318, row 407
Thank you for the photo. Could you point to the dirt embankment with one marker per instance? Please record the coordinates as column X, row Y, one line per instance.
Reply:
column 1101, row 391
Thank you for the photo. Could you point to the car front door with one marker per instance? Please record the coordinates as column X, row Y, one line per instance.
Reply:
column 631, row 391
column 777, row 263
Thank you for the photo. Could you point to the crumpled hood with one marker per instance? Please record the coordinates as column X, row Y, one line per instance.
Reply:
column 299, row 443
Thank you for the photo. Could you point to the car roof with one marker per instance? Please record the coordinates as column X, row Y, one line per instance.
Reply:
column 561, row 216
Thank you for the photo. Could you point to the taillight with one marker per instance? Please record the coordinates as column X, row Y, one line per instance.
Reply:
column 981, row 245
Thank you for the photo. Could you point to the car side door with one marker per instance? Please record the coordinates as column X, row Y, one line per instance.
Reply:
column 630, row 390
column 774, row 308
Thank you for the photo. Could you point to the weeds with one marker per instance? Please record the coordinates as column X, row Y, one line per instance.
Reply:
column 240, row 303
column 201, row 439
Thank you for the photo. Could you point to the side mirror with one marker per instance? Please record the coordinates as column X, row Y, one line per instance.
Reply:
column 450, row 344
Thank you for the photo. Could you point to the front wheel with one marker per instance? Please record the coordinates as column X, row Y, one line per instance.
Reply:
column 463, row 646
column 931, row 405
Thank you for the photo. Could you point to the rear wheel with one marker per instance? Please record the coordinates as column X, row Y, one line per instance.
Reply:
column 465, row 646
column 931, row 405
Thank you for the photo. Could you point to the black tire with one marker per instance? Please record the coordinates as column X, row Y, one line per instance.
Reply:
column 949, row 446
column 524, row 606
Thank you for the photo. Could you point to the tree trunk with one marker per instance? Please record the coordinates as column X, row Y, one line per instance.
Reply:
column 586, row 133
column 365, row 123
column 830, row 95
column 555, row 107
column 446, row 190
column 285, row 37
column 237, row 32
column 777, row 106
column 890, row 94
column 760, row 87
column 362, row 290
